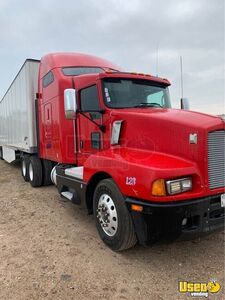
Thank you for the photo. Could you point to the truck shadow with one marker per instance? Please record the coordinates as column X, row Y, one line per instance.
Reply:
column 201, row 253
column 176, row 254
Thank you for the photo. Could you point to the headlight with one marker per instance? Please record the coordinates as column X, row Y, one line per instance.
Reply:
column 178, row 185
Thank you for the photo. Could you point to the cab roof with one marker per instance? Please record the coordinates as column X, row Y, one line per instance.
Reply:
column 110, row 70
column 71, row 59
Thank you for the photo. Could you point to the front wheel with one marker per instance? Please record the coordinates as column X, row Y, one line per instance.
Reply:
column 113, row 220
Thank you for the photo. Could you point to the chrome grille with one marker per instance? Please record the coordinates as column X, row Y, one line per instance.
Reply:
column 216, row 159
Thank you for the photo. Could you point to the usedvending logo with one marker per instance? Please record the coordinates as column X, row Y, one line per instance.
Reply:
column 199, row 289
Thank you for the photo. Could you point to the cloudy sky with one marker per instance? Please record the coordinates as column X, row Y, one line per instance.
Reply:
column 127, row 33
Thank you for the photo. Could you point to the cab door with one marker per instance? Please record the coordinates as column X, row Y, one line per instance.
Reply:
column 90, row 137
column 47, row 100
column 48, row 129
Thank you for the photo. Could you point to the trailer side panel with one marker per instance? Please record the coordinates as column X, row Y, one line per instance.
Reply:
column 17, row 110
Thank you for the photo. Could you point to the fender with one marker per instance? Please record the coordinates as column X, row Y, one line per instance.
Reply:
column 134, row 171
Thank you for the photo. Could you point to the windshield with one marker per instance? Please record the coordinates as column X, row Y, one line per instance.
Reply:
column 127, row 93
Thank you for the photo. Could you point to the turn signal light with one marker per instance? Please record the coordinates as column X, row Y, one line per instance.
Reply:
column 158, row 188
column 136, row 207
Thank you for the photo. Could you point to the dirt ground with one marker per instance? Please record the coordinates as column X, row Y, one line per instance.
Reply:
column 50, row 249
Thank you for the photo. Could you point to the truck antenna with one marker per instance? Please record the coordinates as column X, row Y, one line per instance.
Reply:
column 157, row 60
column 181, row 77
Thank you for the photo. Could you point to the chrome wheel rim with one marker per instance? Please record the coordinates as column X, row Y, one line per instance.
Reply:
column 107, row 215
column 24, row 168
column 31, row 172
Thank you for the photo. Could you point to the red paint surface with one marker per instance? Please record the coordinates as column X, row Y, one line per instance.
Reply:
column 154, row 143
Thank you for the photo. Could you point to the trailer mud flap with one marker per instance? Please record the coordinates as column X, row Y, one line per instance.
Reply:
column 8, row 154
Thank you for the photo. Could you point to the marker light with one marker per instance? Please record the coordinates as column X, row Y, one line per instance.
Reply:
column 136, row 207
column 158, row 188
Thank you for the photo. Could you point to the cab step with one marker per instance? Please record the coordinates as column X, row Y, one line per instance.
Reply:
column 68, row 195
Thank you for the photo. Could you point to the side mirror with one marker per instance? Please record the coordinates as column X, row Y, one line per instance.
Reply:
column 70, row 104
column 184, row 103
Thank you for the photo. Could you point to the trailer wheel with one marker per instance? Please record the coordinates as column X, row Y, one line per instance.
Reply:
column 25, row 168
column 113, row 220
column 35, row 171
column 47, row 168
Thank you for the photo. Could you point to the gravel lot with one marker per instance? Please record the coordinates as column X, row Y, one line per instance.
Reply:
column 50, row 249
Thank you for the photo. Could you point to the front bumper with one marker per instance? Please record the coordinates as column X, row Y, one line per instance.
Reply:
column 166, row 221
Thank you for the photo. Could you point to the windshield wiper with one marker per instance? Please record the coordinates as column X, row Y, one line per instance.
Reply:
column 152, row 104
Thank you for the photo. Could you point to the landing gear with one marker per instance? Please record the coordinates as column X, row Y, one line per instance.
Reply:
column 113, row 220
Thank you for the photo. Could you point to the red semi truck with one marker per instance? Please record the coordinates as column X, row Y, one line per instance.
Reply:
column 110, row 139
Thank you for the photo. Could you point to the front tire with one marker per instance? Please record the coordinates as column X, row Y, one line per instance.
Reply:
column 113, row 220
column 35, row 171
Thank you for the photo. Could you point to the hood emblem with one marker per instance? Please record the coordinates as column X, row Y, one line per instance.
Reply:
column 193, row 138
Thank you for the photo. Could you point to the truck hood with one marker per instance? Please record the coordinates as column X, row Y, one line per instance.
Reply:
column 167, row 130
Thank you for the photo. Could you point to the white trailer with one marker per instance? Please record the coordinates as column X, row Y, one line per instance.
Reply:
column 17, row 113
